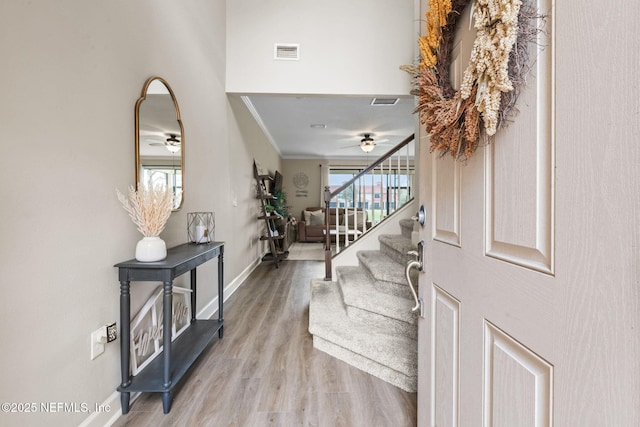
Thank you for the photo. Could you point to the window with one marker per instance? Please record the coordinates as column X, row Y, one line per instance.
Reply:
column 380, row 192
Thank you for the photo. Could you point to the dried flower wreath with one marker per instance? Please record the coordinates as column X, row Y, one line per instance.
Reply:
column 492, row 81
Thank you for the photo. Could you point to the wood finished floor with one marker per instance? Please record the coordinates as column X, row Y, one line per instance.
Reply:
column 265, row 371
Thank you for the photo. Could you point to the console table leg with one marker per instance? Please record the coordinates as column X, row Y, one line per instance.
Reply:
column 193, row 295
column 125, row 332
column 166, row 402
column 124, row 402
column 167, row 308
column 125, row 342
column 220, row 289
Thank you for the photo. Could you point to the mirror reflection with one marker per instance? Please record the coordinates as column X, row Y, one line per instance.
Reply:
column 159, row 138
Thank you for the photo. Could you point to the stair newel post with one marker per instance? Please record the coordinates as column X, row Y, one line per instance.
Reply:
column 327, row 235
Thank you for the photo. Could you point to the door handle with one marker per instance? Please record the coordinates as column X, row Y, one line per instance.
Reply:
column 410, row 265
column 417, row 263
column 419, row 254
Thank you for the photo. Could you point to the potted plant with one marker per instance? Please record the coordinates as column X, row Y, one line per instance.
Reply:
column 281, row 208
column 280, row 203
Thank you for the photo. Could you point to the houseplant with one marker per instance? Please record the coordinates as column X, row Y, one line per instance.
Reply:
column 282, row 209
column 149, row 208
column 280, row 203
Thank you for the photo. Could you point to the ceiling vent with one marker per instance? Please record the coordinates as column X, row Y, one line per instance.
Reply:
column 384, row 101
column 287, row 52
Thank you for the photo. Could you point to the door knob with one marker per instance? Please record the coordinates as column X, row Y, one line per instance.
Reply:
column 421, row 216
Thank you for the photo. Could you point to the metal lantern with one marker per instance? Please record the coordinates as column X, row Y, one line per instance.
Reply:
column 201, row 227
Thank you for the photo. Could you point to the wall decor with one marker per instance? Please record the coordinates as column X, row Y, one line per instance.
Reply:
column 146, row 327
column 455, row 120
column 301, row 180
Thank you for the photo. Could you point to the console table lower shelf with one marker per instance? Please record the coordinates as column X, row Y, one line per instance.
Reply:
column 184, row 351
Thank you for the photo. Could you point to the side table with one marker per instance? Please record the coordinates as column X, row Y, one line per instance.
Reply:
column 166, row 370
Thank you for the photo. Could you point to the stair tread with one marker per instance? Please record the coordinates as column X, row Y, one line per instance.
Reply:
column 398, row 242
column 359, row 291
column 381, row 267
column 328, row 320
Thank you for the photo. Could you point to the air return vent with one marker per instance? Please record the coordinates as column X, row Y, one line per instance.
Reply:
column 384, row 101
column 286, row 51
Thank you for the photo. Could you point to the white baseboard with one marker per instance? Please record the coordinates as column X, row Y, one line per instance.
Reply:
column 107, row 418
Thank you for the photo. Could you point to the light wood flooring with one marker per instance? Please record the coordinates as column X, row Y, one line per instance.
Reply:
column 265, row 371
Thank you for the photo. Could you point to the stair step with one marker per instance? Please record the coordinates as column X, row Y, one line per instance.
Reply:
column 381, row 310
column 396, row 246
column 406, row 227
column 392, row 358
column 389, row 274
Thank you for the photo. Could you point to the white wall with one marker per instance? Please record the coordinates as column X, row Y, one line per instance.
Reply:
column 346, row 47
column 71, row 74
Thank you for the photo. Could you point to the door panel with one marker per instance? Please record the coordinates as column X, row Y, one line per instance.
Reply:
column 445, row 336
column 446, row 203
column 518, row 390
column 519, row 173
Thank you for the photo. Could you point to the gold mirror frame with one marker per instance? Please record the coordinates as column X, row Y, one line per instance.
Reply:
column 162, row 130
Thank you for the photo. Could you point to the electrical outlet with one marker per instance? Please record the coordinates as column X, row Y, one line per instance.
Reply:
column 98, row 339
column 112, row 332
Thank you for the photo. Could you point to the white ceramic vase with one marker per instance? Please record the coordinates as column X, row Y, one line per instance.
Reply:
column 151, row 249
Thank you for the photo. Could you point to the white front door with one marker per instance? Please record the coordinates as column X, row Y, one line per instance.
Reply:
column 531, row 286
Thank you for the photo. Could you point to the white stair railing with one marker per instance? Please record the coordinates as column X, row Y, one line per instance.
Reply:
column 394, row 171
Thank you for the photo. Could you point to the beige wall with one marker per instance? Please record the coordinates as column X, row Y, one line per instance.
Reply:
column 248, row 142
column 72, row 72
column 346, row 47
column 300, row 200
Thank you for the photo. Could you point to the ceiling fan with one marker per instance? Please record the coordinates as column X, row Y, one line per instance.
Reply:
column 367, row 143
column 172, row 143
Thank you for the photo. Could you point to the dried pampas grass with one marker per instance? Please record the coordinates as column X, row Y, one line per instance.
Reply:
column 148, row 207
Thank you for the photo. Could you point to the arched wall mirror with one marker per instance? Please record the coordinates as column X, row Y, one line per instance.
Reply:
column 159, row 138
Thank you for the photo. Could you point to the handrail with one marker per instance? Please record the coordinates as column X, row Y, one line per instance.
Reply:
column 328, row 195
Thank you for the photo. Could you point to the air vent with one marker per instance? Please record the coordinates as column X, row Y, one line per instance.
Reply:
column 287, row 52
column 384, row 101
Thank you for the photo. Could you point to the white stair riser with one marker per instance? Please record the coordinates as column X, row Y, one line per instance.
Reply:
column 383, row 323
column 405, row 382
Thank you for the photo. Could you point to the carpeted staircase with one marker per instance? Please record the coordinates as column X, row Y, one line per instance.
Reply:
column 364, row 318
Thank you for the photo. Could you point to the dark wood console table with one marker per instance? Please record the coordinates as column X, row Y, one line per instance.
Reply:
column 166, row 370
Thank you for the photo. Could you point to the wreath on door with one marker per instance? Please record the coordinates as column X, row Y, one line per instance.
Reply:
column 485, row 102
